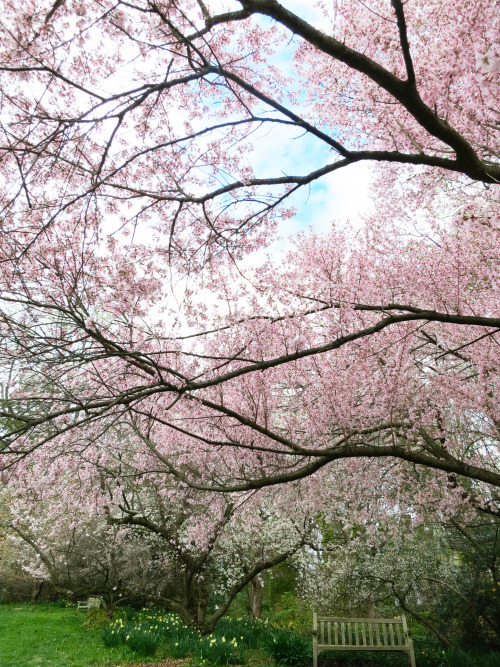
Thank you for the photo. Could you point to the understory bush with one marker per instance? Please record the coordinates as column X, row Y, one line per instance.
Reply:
column 492, row 660
column 292, row 613
column 288, row 648
column 456, row 657
column 95, row 619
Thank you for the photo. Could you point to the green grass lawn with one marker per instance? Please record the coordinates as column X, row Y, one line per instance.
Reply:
column 55, row 635
column 50, row 635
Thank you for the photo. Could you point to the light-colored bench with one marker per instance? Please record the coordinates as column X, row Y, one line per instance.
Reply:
column 91, row 603
column 361, row 634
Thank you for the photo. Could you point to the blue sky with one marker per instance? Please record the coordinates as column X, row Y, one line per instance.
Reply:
column 341, row 196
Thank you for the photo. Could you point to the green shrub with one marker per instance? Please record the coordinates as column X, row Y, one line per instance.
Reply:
column 95, row 619
column 293, row 613
column 429, row 657
column 491, row 660
column 455, row 657
column 288, row 648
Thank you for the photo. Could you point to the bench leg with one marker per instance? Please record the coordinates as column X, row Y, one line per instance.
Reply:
column 411, row 658
column 315, row 640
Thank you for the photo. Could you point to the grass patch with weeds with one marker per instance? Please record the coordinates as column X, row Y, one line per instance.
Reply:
column 51, row 635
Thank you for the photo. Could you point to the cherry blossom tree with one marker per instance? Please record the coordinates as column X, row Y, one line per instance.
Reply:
column 129, row 191
column 61, row 539
column 94, row 528
column 444, row 575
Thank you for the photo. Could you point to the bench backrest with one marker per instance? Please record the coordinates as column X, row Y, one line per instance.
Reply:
column 361, row 634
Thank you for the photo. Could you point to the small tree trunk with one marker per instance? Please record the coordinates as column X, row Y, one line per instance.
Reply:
column 443, row 639
column 36, row 590
column 370, row 608
column 202, row 607
column 255, row 593
column 109, row 607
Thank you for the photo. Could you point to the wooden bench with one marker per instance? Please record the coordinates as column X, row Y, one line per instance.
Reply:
column 91, row 603
column 361, row 634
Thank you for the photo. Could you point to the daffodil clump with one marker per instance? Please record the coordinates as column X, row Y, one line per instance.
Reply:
column 249, row 633
column 146, row 630
column 114, row 633
column 220, row 651
column 143, row 634
column 144, row 639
